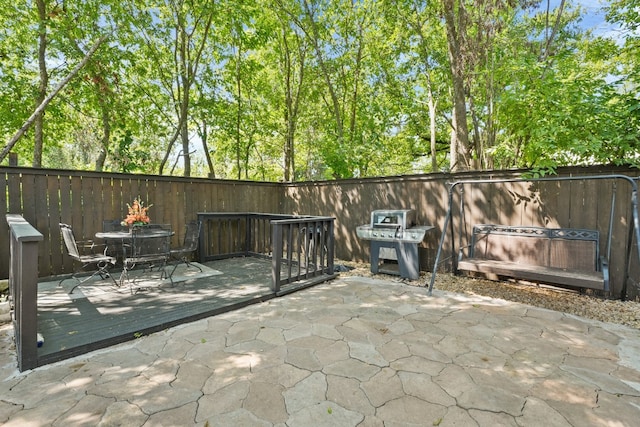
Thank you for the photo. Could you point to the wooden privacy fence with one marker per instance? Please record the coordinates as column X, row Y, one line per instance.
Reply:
column 581, row 203
column 606, row 204
column 46, row 198
column 83, row 199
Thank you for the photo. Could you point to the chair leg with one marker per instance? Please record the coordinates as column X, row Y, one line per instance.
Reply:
column 102, row 271
column 124, row 275
column 189, row 264
column 163, row 272
column 185, row 261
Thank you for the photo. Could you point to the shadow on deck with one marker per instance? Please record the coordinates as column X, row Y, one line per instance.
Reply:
column 94, row 317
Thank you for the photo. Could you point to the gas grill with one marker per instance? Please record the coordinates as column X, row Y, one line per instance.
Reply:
column 394, row 237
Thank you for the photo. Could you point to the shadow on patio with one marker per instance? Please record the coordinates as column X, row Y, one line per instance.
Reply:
column 98, row 315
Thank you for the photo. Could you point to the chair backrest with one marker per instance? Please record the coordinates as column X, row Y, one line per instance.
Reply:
column 69, row 241
column 191, row 235
column 151, row 241
column 112, row 225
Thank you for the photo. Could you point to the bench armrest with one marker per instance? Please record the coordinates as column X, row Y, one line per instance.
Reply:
column 603, row 265
column 461, row 252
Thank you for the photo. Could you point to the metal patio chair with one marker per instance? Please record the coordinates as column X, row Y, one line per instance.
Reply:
column 189, row 246
column 114, row 246
column 87, row 257
column 112, row 225
column 150, row 248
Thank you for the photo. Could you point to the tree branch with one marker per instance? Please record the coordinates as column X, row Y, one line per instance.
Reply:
column 48, row 99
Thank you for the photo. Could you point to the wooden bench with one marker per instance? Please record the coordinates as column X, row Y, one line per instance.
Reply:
column 558, row 256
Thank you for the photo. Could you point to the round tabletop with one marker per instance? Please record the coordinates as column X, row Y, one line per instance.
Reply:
column 123, row 235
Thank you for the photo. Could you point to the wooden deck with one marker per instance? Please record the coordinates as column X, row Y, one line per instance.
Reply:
column 95, row 317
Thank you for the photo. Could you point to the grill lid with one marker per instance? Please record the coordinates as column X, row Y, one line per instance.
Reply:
column 393, row 225
column 399, row 219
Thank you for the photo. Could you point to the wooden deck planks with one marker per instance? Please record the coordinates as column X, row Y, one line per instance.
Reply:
column 80, row 325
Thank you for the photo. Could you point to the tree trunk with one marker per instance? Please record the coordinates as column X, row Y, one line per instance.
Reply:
column 432, row 130
column 186, row 65
column 44, row 83
column 288, row 112
column 203, row 133
column 326, row 74
column 460, row 134
column 293, row 88
column 106, row 136
column 239, row 117
column 184, row 133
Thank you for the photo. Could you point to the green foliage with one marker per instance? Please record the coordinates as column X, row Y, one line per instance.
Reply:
column 300, row 90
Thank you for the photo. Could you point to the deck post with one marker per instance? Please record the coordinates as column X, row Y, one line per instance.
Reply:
column 330, row 246
column 23, row 288
column 276, row 259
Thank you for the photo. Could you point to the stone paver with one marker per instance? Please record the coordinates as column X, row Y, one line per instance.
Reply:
column 353, row 352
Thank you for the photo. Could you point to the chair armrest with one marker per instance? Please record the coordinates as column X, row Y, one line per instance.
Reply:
column 89, row 246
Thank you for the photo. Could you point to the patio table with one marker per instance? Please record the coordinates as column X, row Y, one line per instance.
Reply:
column 145, row 246
column 125, row 237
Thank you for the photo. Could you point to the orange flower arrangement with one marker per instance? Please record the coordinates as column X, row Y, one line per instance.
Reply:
column 137, row 213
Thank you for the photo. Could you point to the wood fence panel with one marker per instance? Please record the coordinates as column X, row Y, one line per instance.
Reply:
column 211, row 199
column 45, row 185
column 482, row 205
column 430, row 208
column 4, row 231
column 214, row 204
column 99, row 197
column 66, row 216
column 109, row 212
column 564, row 205
column 176, row 195
column 591, row 203
column 29, row 199
column 192, row 200
column 520, row 198
column 549, row 195
column 132, row 189
column 56, row 247
column 41, row 223
column 619, row 236
column 173, row 205
column 161, row 196
column 77, row 212
column 4, row 196
column 119, row 200
column 223, row 196
column 15, row 193
column 90, row 209
column 576, row 208
column 601, row 196
column 83, row 199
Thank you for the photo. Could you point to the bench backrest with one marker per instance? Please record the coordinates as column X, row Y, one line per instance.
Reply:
column 547, row 247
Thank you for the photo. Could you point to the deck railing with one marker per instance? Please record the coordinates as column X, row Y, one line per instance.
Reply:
column 301, row 247
column 23, row 288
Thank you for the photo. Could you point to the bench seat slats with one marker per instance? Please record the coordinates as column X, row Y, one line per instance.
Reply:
column 559, row 256
column 551, row 275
